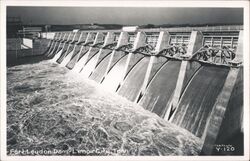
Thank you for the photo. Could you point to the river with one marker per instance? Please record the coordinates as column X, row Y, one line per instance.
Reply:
column 54, row 111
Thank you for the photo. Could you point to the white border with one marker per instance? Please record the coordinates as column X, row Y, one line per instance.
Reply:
column 214, row 4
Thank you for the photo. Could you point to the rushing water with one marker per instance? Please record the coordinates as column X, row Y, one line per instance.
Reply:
column 53, row 111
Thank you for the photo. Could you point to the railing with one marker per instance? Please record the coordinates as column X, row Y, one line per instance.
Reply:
column 219, row 41
column 131, row 39
column 116, row 37
column 50, row 35
column 77, row 36
column 179, row 39
column 101, row 38
column 83, row 37
column 151, row 39
column 92, row 36
column 203, row 29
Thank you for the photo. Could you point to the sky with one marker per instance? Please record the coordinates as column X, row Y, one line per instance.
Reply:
column 125, row 15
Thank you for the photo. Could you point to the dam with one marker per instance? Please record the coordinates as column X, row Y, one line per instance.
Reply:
column 189, row 77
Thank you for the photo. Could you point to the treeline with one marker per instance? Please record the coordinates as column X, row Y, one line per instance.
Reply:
column 185, row 25
column 85, row 27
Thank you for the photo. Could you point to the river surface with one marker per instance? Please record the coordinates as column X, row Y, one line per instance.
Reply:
column 53, row 111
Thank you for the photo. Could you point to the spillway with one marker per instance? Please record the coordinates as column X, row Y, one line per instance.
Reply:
column 115, row 75
column 101, row 69
column 192, row 79
column 90, row 62
column 134, row 80
column 78, row 54
column 161, row 87
column 203, row 88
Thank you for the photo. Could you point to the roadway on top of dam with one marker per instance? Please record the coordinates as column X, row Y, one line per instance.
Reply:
column 174, row 29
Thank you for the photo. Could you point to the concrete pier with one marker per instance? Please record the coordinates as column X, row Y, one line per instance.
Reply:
column 105, row 60
column 213, row 126
column 125, row 87
column 187, row 69
column 92, row 62
column 80, row 49
column 69, row 46
column 95, row 38
column 71, row 49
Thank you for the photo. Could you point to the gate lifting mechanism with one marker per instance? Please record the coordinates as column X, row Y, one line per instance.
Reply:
column 211, row 53
column 174, row 51
column 98, row 45
column 215, row 55
column 126, row 48
column 147, row 50
column 110, row 46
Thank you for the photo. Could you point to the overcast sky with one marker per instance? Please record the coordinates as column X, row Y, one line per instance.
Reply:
column 128, row 15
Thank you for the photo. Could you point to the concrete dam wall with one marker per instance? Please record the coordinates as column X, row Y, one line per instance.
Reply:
column 192, row 78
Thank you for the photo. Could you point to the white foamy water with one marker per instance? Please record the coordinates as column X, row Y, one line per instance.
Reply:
column 50, row 108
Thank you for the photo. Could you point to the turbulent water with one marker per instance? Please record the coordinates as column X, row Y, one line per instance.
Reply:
column 53, row 111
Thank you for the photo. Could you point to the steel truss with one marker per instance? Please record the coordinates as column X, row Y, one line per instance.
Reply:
column 110, row 46
column 125, row 48
column 98, row 45
column 215, row 55
column 145, row 50
column 174, row 51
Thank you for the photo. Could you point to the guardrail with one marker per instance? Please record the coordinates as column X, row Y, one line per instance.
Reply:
column 203, row 29
column 50, row 35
